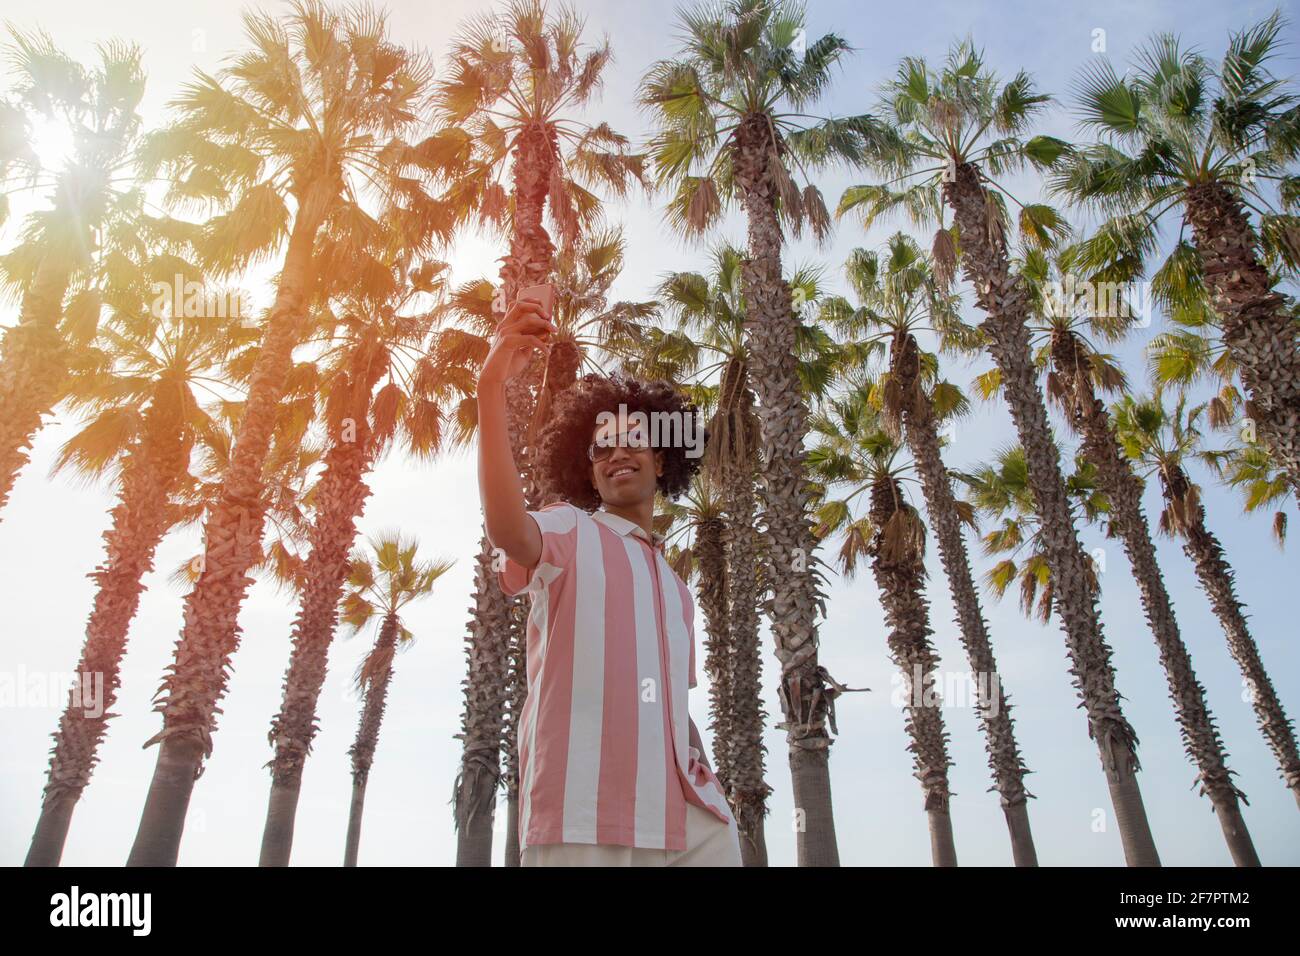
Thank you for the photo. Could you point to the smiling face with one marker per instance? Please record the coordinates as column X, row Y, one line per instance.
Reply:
column 627, row 476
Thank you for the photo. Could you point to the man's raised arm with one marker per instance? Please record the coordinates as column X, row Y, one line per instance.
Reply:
column 509, row 528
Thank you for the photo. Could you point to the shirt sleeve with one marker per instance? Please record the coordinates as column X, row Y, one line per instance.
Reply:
column 559, row 527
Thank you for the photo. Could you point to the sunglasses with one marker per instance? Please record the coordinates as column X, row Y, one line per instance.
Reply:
column 602, row 449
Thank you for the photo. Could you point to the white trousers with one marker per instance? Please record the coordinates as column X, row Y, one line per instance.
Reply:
column 708, row 843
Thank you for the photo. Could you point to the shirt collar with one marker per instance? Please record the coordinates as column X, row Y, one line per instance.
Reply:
column 624, row 527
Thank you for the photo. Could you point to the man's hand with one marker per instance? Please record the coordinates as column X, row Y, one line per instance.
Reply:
column 524, row 328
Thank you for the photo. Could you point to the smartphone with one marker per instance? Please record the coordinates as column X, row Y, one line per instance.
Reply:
column 543, row 295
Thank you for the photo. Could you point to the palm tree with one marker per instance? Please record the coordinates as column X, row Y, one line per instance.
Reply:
column 854, row 451
column 379, row 332
column 699, row 519
column 378, row 591
column 1249, row 468
column 1077, row 372
column 588, row 327
column 494, row 649
column 1176, row 132
column 1162, row 443
column 709, row 312
column 901, row 298
column 491, row 648
column 314, row 114
column 56, row 251
column 999, row 489
column 514, row 81
column 143, row 418
column 292, row 465
column 728, row 115
column 1193, row 353
column 948, row 127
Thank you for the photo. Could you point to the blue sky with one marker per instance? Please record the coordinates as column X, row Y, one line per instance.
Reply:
column 50, row 540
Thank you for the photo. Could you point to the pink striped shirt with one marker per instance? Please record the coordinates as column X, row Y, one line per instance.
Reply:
column 604, row 754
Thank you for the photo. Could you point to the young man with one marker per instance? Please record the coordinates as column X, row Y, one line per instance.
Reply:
column 611, row 767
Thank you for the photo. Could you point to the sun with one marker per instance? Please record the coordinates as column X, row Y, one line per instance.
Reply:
column 52, row 141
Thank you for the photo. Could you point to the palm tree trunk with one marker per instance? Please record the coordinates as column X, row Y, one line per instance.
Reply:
column 512, row 830
column 486, row 685
column 532, row 254
column 807, row 698
column 33, row 368
column 1001, row 296
column 362, row 750
column 943, row 852
column 1005, row 761
column 196, row 681
column 710, row 552
column 1260, row 336
column 167, row 802
column 281, row 815
column 1200, row 735
column 340, row 499
column 139, row 521
column 495, row 688
column 531, row 262
column 517, row 699
column 1023, row 851
column 354, row 821
column 1215, row 575
column 898, row 566
column 51, row 830
column 748, row 790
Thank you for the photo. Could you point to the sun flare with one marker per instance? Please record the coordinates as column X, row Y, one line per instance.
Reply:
column 52, row 142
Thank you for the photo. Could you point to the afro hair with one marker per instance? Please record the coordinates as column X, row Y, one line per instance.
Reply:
column 563, row 470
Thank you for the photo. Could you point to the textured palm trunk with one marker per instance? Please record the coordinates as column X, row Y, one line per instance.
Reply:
column 1200, row 735
column 196, row 679
column 355, row 810
column 486, row 725
column 710, row 553
column 516, row 698
column 1215, row 575
column 747, row 790
column 33, row 368
column 513, row 855
column 362, row 750
column 1260, row 336
column 899, row 570
column 807, row 698
column 340, row 499
column 1003, row 299
column 139, row 521
column 486, row 688
column 1023, row 851
column 1005, row 761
